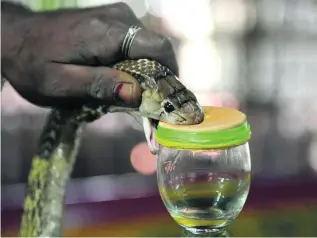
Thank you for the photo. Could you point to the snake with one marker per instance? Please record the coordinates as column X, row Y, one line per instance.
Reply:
column 164, row 98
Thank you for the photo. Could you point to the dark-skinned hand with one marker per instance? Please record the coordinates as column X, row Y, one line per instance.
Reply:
column 62, row 58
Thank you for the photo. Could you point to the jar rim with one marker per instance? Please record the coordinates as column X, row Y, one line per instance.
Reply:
column 222, row 128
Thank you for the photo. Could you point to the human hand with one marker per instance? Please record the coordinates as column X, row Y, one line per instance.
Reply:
column 60, row 58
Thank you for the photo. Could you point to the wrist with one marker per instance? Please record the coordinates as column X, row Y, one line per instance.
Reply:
column 14, row 11
column 14, row 18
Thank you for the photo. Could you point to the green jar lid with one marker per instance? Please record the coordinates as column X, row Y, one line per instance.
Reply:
column 222, row 128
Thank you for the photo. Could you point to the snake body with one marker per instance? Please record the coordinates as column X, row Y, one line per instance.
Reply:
column 164, row 98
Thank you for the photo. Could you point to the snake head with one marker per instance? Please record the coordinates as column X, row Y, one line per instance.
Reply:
column 172, row 109
column 170, row 102
column 164, row 97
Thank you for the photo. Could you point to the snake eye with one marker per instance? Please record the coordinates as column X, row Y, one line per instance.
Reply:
column 168, row 107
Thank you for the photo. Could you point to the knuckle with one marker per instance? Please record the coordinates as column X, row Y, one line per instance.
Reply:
column 165, row 44
column 100, row 88
column 118, row 10
column 123, row 7
column 88, row 26
column 88, row 31
column 122, row 11
column 44, row 87
column 93, row 23
column 168, row 54
column 51, row 82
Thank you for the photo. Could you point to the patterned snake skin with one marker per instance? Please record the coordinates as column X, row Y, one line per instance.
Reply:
column 164, row 98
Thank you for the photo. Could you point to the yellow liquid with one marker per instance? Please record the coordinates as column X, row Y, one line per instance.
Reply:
column 198, row 222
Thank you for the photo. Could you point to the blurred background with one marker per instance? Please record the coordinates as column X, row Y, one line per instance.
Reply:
column 259, row 56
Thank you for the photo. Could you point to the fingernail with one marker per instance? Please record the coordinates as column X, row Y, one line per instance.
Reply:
column 125, row 92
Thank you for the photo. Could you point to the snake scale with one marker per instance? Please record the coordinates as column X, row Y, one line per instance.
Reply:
column 164, row 98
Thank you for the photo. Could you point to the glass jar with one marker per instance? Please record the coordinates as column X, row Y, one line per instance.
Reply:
column 203, row 171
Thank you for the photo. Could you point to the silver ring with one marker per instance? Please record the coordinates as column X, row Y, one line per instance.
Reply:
column 128, row 40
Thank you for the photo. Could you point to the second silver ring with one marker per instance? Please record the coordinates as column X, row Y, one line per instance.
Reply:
column 128, row 40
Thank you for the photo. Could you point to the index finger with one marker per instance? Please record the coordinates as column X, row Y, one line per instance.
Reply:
column 154, row 46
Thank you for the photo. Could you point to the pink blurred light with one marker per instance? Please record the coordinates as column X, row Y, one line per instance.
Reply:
column 142, row 159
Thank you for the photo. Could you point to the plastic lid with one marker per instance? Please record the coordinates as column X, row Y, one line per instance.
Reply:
column 221, row 128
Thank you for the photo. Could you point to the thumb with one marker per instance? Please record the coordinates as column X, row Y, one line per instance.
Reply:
column 74, row 85
column 114, row 86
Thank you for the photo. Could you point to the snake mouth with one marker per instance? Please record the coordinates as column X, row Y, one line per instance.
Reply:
column 154, row 123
